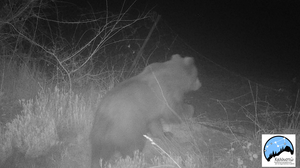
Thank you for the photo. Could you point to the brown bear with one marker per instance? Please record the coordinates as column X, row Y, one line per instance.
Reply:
column 136, row 107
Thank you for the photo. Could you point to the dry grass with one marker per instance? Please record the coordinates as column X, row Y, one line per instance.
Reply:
column 53, row 119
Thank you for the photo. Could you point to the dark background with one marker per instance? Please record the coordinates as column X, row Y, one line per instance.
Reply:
column 251, row 38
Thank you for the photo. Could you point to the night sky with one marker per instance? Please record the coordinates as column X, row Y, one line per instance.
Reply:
column 257, row 37
column 251, row 37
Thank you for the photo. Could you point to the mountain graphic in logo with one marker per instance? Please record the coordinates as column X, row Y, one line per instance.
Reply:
column 276, row 145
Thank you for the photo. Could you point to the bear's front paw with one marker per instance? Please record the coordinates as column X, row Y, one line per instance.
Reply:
column 188, row 111
column 169, row 135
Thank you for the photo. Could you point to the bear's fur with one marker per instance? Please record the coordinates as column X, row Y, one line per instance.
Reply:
column 136, row 107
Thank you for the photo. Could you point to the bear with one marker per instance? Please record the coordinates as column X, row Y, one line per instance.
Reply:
column 136, row 106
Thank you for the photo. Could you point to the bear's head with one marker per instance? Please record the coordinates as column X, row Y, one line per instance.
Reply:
column 178, row 75
column 185, row 71
column 170, row 80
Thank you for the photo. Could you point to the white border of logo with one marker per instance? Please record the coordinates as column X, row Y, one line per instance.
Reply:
column 285, row 159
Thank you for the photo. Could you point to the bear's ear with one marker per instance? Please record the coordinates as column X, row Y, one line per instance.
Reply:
column 188, row 60
column 196, row 85
column 176, row 57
